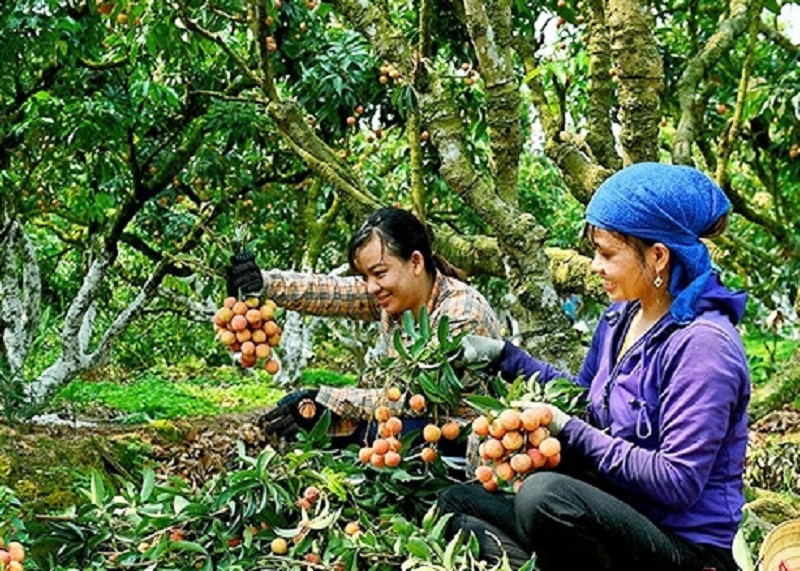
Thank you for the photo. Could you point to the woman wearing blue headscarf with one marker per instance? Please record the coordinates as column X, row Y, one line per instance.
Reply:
column 658, row 458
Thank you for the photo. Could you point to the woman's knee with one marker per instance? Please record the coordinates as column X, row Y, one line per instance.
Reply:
column 452, row 499
column 543, row 498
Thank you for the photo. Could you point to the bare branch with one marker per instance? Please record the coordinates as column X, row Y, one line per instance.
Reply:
column 696, row 70
column 779, row 39
column 234, row 98
column 732, row 132
column 215, row 38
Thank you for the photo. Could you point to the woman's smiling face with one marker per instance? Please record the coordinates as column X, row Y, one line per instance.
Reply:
column 621, row 267
column 395, row 283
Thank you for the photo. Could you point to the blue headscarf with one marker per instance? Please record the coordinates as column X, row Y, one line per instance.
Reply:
column 671, row 204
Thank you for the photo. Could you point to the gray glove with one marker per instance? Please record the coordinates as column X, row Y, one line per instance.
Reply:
column 479, row 349
column 560, row 418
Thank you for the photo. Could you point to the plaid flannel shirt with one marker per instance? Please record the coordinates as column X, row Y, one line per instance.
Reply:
column 324, row 295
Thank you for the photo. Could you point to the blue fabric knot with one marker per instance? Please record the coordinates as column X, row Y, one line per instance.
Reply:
column 674, row 205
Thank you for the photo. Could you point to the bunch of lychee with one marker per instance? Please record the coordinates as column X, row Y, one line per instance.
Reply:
column 514, row 444
column 249, row 330
column 11, row 557
column 387, row 447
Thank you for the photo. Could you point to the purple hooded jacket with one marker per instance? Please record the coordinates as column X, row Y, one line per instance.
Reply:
column 667, row 422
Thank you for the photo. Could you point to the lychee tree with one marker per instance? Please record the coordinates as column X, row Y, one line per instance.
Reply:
column 136, row 136
column 471, row 82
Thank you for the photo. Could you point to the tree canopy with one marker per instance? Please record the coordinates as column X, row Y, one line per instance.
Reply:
column 141, row 143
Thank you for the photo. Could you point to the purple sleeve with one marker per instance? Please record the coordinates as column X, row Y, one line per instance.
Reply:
column 515, row 362
column 702, row 390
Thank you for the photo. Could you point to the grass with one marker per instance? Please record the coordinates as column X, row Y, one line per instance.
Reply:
column 172, row 393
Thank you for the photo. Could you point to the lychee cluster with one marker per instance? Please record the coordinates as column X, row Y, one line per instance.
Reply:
column 514, row 444
column 249, row 330
column 11, row 557
column 386, row 450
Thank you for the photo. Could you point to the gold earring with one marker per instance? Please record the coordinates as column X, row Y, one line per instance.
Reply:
column 658, row 282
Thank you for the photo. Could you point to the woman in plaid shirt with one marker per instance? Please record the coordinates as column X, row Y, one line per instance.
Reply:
column 397, row 271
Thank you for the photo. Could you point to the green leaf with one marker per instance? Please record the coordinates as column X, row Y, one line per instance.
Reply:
column 429, row 388
column 485, row 404
column 98, row 489
column 148, row 481
column 189, row 547
column 424, row 324
column 408, row 323
column 452, row 547
column 320, row 430
column 443, row 330
column 399, row 346
column 418, row 347
column 418, row 548
column 178, row 503
column 450, row 376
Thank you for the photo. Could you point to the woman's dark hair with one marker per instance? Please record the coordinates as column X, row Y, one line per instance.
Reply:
column 401, row 233
column 640, row 244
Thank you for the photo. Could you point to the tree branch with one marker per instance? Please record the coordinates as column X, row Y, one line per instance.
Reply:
column 732, row 132
column 415, row 167
column 320, row 158
column 20, row 295
column 258, row 14
column 600, row 137
column 779, row 39
column 696, row 70
column 369, row 18
column 526, row 48
column 80, row 316
column 778, row 230
column 489, row 26
column 640, row 75
column 234, row 98
column 211, row 36
column 581, row 174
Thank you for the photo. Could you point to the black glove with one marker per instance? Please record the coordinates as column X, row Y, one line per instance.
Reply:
column 294, row 411
column 244, row 276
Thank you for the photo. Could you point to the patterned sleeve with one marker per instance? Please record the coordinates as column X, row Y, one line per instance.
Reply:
column 320, row 294
column 468, row 311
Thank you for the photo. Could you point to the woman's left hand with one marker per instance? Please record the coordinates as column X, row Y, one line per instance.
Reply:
column 560, row 418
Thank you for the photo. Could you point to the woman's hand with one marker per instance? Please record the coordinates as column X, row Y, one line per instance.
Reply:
column 294, row 411
column 479, row 349
column 560, row 418
column 244, row 276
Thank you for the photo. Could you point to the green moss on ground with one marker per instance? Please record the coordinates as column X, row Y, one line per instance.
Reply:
column 42, row 469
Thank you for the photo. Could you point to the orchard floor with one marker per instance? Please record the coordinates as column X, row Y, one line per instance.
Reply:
column 41, row 463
